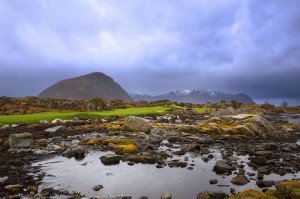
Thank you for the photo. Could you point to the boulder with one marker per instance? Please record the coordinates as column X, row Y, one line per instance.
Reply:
column 110, row 159
column 211, row 195
column 77, row 152
column 23, row 140
column 57, row 121
column 258, row 159
column 98, row 187
column 222, row 166
column 213, row 181
column 137, row 124
column 264, row 183
column 239, row 180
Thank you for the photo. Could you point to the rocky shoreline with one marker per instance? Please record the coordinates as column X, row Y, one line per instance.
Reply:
column 267, row 142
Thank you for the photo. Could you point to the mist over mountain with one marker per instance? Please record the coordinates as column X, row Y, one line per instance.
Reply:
column 93, row 85
column 197, row 96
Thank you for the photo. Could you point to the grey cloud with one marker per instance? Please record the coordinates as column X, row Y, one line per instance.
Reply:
column 153, row 46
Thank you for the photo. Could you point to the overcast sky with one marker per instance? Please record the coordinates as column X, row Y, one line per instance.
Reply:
column 153, row 46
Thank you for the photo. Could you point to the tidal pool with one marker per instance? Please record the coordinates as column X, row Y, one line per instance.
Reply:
column 140, row 179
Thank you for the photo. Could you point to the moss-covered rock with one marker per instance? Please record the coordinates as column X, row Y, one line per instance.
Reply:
column 126, row 148
column 289, row 189
column 91, row 141
column 251, row 194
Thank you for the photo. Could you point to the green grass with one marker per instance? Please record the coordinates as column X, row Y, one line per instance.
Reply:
column 201, row 109
column 36, row 117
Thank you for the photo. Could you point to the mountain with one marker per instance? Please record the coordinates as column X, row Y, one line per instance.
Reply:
column 196, row 96
column 93, row 85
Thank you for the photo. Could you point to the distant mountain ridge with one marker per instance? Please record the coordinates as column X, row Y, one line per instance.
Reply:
column 93, row 85
column 197, row 96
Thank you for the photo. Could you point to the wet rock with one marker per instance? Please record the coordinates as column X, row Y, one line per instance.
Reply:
column 137, row 124
column 263, row 170
column 239, row 180
column 174, row 163
column 130, row 163
column 260, row 176
column 232, row 190
column 250, row 174
column 98, row 187
column 211, row 195
column 180, row 152
column 23, row 140
column 191, row 147
column 142, row 158
column 143, row 197
column 213, row 181
column 13, row 188
column 110, row 159
column 264, row 183
column 69, row 153
column 166, row 195
column 258, row 159
column 79, row 152
column 222, row 166
column 55, row 129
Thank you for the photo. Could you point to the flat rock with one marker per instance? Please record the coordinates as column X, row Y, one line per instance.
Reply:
column 239, row 180
column 110, row 159
column 222, row 166
column 211, row 195
column 55, row 129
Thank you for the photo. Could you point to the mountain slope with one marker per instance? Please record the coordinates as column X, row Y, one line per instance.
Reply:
column 197, row 96
column 88, row 86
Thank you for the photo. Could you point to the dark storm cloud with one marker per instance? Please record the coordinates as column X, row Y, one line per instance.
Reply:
column 153, row 46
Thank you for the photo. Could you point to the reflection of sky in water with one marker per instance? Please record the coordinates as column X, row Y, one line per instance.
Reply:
column 139, row 180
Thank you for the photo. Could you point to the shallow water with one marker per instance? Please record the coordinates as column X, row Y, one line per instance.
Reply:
column 140, row 179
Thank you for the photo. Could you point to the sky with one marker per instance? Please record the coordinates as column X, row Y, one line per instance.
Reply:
column 153, row 46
